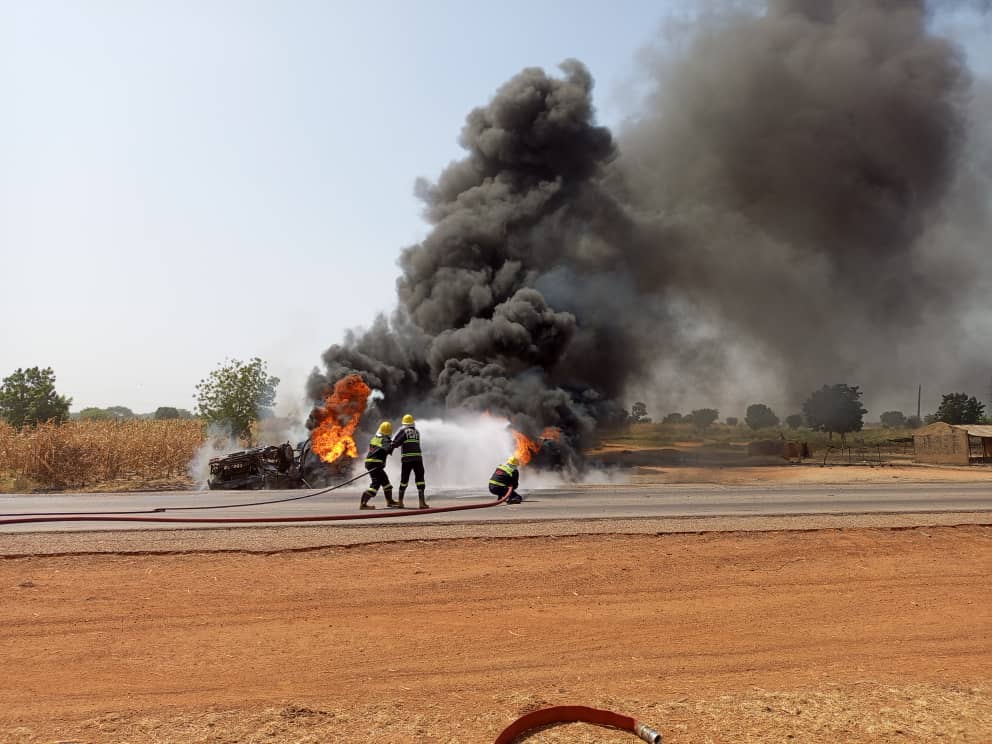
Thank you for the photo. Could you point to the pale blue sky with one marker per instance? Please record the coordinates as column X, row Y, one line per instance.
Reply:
column 182, row 182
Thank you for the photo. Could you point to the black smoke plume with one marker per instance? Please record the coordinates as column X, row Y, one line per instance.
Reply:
column 774, row 214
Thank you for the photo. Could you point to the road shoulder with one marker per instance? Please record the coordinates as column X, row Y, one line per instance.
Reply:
column 276, row 539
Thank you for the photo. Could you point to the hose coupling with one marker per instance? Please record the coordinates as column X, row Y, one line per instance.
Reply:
column 648, row 734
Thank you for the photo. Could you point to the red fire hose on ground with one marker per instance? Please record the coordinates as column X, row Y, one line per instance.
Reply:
column 139, row 517
column 576, row 714
column 133, row 516
column 160, row 509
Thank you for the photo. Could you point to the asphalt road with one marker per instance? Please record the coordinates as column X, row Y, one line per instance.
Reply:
column 577, row 502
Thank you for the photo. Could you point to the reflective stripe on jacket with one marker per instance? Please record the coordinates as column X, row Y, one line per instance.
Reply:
column 379, row 447
column 505, row 475
column 408, row 438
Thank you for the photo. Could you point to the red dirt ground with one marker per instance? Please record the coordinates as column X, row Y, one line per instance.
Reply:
column 853, row 636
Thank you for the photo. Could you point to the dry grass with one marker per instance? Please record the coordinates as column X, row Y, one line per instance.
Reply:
column 78, row 454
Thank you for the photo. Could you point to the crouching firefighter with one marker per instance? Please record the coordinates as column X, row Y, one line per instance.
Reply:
column 506, row 477
column 407, row 439
column 375, row 462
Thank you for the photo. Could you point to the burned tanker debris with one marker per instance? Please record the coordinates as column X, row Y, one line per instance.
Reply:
column 791, row 169
column 259, row 467
column 274, row 467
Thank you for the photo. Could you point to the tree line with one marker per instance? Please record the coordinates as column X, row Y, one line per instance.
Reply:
column 123, row 413
column 833, row 409
column 237, row 394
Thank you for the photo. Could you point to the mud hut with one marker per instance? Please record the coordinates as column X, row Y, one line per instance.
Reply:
column 953, row 444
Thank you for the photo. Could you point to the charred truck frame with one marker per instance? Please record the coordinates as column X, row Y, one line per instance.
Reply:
column 274, row 467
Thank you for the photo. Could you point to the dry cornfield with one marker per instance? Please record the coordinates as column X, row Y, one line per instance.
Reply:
column 77, row 454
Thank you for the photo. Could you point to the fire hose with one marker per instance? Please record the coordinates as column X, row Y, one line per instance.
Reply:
column 576, row 714
column 161, row 509
column 137, row 516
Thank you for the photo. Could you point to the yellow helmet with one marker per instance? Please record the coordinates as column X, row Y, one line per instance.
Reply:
column 385, row 428
column 408, row 420
column 513, row 460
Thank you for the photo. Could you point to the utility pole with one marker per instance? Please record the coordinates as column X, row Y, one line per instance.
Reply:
column 919, row 397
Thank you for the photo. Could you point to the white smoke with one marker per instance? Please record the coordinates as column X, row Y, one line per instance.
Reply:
column 463, row 452
column 217, row 443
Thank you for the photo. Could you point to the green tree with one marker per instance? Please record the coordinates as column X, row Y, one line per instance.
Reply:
column 958, row 408
column 732, row 421
column 913, row 422
column 28, row 397
column 94, row 414
column 703, row 417
column 835, row 408
column 673, row 418
column 794, row 420
column 163, row 413
column 893, row 420
column 120, row 412
column 237, row 394
column 760, row 416
column 639, row 413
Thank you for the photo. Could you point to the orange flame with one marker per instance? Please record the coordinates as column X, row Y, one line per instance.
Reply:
column 526, row 447
column 553, row 433
column 332, row 438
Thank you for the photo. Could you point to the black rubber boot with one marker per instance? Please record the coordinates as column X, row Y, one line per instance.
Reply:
column 399, row 499
column 423, row 502
column 390, row 502
column 365, row 501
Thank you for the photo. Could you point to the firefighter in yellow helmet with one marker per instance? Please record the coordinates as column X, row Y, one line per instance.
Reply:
column 505, row 477
column 375, row 462
column 407, row 439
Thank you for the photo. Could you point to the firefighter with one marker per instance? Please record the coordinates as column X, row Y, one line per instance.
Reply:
column 407, row 439
column 375, row 462
column 506, row 476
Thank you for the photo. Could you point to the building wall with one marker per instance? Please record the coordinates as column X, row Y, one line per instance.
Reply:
column 941, row 445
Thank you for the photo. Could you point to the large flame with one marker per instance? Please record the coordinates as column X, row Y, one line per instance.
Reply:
column 332, row 438
column 526, row 447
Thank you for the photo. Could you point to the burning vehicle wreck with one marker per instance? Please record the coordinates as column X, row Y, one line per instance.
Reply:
column 260, row 467
column 327, row 454
column 274, row 467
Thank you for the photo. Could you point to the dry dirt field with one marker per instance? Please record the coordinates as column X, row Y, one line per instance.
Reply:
column 654, row 465
column 811, row 473
column 856, row 635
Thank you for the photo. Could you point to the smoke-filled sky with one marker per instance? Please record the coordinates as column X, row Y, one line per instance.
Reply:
column 801, row 197
column 774, row 196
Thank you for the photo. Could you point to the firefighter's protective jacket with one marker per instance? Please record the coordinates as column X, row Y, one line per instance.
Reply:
column 379, row 448
column 505, row 475
column 408, row 439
